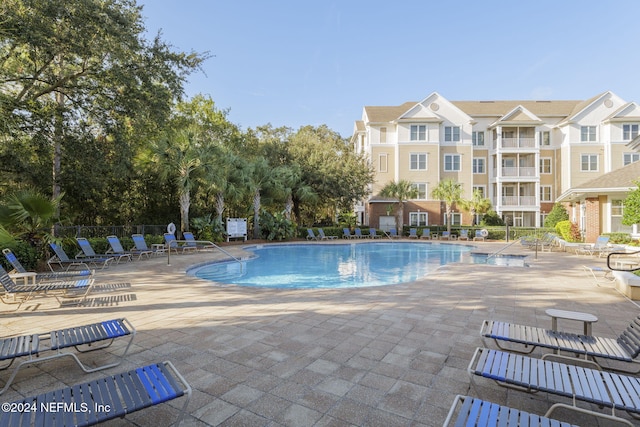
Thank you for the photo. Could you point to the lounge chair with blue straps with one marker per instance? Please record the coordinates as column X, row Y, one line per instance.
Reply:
column 13, row 293
column 61, row 259
column 624, row 348
column 87, row 252
column 107, row 398
column 140, row 245
column 373, row 233
column 311, row 235
column 173, row 245
column 357, row 233
column 605, row 389
column 198, row 244
column 471, row 411
column 37, row 348
column 324, row 236
column 413, row 233
column 117, row 249
column 392, row 234
column 20, row 273
column 464, row 234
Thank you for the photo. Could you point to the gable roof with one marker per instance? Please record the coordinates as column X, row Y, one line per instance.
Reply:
column 497, row 109
column 619, row 180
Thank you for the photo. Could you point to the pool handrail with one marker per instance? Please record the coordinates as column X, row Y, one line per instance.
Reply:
column 491, row 255
column 206, row 242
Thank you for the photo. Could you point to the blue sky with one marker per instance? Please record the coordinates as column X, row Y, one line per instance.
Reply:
column 296, row 62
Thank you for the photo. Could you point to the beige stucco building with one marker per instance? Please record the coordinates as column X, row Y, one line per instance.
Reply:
column 522, row 155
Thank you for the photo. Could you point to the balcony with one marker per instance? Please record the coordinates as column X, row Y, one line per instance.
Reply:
column 523, row 201
column 522, row 143
column 526, row 172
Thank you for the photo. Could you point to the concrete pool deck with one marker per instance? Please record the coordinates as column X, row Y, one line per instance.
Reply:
column 381, row 356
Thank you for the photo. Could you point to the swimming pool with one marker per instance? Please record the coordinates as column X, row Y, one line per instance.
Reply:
column 333, row 265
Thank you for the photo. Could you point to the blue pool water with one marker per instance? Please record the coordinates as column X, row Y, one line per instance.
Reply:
column 335, row 265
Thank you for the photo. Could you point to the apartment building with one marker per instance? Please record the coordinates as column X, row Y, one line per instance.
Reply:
column 522, row 155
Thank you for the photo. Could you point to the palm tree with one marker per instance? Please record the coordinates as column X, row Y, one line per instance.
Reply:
column 450, row 192
column 401, row 191
column 30, row 216
column 180, row 156
column 477, row 205
column 260, row 176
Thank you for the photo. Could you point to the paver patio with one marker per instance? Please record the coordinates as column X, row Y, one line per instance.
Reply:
column 381, row 356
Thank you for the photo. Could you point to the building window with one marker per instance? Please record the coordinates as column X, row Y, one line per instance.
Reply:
column 478, row 165
column 418, row 162
column 545, row 165
column 545, row 193
column 545, row 138
column 629, row 158
column 477, row 139
column 589, row 163
column 418, row 132
column 452, row 133
column 418, row 219
column 452, row 162
column 629, row 132
column 383, row 135
column 587, row 133
column 456, row 218
column 421, row 187
column 617, row 208
column 382, row 162
column 481, row 189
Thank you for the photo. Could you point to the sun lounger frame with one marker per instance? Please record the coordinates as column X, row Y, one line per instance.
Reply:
column 37, row 348
column 117, row 395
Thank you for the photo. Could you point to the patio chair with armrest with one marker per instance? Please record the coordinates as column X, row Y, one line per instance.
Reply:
column 13, row 293
column 87, row 252
column 117, row 249
column 117, row 395
column 61, row 259
column 524, row 373
column 19, row 272
column 140, row 245
column 624, row 348
column 373, row 233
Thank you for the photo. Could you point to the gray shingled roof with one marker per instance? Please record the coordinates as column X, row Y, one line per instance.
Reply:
column 622, row 178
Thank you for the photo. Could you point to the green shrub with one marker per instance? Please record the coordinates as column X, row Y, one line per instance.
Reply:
column 26, row 254
column 276, row 227
column 569, row 231
column 620, row 238
column 557, row 214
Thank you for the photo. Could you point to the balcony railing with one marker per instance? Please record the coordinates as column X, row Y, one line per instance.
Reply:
column 517, row 143
column 518, row 201
column 517, row 171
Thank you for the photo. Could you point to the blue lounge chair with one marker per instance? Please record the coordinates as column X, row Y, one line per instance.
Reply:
column 413, row 233
column 624, row 348
column 604, row 389
column 173, row 245
column 373, row 233
column 108, row 398
column 19, row 294
column 445, row 235
column 19, row 272
column 311, row 235
column 198, row 244
column 464, row 234
column 357, row 233
column 324, row 236
column 140, row 245
column 392, row 234
column 480, row 235
column 37, row 348
column 61, row 259
column 346, row 234
column 426, row 234
column 600, row 246
column 477, row 412
column 117, row 249
column 87, row 252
